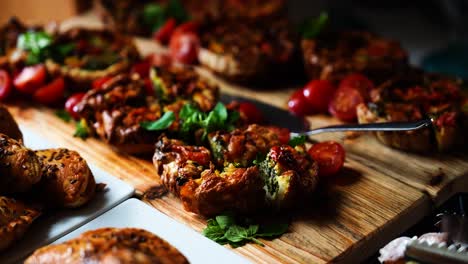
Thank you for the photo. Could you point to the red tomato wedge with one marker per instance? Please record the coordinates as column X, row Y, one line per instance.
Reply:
column 282, row 132
column 5, row 85
column 251, row 113
column 98, row 83
column 344, row 103
column 318, row 94
column 71, row 102
column 164, row 33
column 184, row 47
column 330, row 157
column 50, row 93
column 297, row 104
column 30, row 79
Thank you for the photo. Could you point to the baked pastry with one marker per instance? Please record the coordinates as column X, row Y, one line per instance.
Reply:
column 20, row 168
column 15, row 219
column 8, row 125
column 67, row 181
column 110, row 245
column 333, row 55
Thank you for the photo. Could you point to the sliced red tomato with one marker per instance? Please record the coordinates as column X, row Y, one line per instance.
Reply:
column 184, row 47
column 297, row 104
column 251, row 112
column 5, row 85
column 330, row 157
column 142, row 68
column 50, row 93
column 164, row 33
column 359, row 82
column 30, row 79
column 282, row 132
column 318, row 94
column 71, row 102
column 344, row 103
column 98, row 83
column 189, row 26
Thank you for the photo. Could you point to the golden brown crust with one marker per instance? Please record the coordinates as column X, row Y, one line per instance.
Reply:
column 67, row 180
column 110, row 245
column 15, row 219
column 8, row 125
column 20, row 168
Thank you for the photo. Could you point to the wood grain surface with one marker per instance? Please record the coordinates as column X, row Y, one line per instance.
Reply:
column 380, row 193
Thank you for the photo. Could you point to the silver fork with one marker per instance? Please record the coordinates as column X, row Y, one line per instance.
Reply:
column 387, row 126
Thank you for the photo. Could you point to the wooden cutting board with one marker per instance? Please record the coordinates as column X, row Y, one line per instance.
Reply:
column 380, row 193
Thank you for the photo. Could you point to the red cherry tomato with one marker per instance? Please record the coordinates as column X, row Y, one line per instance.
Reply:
column 283, row 134
column 190, row 26
column 358, row 81
column 5, row 85
column 344, row 103
column 251, row 113
column 163, row 34
column 318, row 94
column 184, row 47
column 51, row 92
column 30, row 79
column 98, row 83
column 149, row 87
column 297, row 104
column 71, row 102
column 142, row 68
column 330, row 157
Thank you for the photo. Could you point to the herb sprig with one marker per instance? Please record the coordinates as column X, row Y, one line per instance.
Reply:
column 295, row 141
column 162, row 123
column 155, row 15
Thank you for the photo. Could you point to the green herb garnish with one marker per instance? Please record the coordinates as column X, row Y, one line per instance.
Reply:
column 162, row 123
column 155, row 15
column 227, row 229
column 64, row 115
column 312, row 27
column 82, row 130
column 295, row 141
column 36, row 43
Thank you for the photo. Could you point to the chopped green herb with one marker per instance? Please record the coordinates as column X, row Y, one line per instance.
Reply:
column 64, row 115
column 162, row 123
column 155, row 15
column 36, row 43
column 312, row 27
column 82, row 130
column 300, row 140
column 227, row 229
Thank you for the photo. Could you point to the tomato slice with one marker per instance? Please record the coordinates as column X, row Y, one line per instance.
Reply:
column 330, row 157
column 30, row 79
column 184, row 47
column 359, row 82
column 251, row 113
column 142, row 68
column 5, row 85
column 71, row 102
column 98, row 83
column 283, row 134
column 318, row 94
column 344, row 103
column 297, row 104
column 50, row 93
column 163, row 34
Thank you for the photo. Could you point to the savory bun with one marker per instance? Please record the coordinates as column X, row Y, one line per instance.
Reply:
column 110, row 245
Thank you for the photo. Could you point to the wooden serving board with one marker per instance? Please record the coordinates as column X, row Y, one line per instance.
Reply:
column 379, row 194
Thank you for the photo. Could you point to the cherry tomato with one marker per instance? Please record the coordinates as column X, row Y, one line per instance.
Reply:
column 358, row 81
column 71, row 102
column 98, row 83
column 163, row 34
column 190, row 26
column 5, row 84
column 330, row 157
column 344, row 103
column 251, row 112
column 318, row 94
column 184, row 47
column 30, row 79
column 142, row 68
column 297, row 104
column 149, row 87
column 51, row 92
column 283, row 134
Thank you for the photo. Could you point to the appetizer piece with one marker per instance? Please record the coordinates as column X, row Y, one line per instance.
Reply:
column 20, row 168
column 411, row 98
column 332, row 55
column 110, row 245
column 15, row 219
column 246, row 51
column 88, row 54
column 67, row 181
column 8, row 125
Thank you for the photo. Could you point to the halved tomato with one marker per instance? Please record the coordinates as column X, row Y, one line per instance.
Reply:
column 184, row 47
column 5, row 85
column 71, row 102
column 251, row 112
column 30, row 79
column 344, row 103
column 164, row 33
column 330, row 157
column 359, row 82
column 50, row 93
column 297, row 104
column 318, row 94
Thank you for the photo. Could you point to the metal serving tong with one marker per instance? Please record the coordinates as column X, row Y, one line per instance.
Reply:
column 387, row 126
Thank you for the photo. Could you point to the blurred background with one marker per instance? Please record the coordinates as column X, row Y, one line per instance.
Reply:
column 434, row 31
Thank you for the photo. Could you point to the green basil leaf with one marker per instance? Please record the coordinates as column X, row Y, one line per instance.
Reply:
column 64, row 115
column 34, row 41
column 312, row 27
column 225, row 221
column 273, row 230
column 162, row 123
column 295, row 141
column 236, row 233
column 82, row 130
